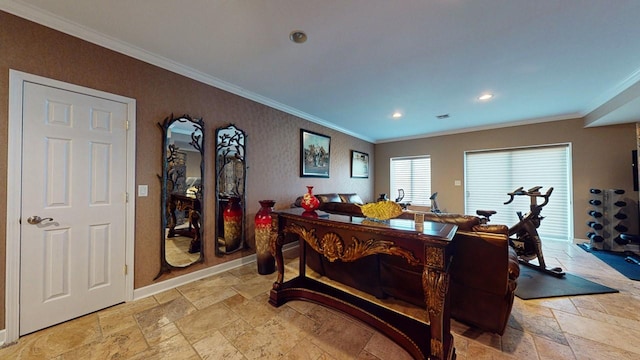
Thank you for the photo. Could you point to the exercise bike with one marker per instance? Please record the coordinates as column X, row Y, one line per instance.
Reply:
column 523, row 236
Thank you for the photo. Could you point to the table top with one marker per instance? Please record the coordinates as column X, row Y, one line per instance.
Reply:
column 442, row 231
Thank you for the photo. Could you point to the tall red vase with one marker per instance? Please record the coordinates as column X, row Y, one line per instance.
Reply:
column 266, row 261
column 232, row 217
column 309, row 201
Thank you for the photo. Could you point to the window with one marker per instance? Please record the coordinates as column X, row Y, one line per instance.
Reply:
column 490, row 175
column 413, row 175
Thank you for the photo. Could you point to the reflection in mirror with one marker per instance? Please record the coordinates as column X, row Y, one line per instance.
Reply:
column 230, row 194
column 182, row 192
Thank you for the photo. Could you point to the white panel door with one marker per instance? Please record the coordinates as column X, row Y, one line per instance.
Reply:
column 73, row 206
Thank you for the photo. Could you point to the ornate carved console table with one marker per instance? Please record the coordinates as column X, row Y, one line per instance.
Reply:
column 346, row 238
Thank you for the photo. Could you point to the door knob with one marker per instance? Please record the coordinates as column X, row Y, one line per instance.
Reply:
column 34, row 220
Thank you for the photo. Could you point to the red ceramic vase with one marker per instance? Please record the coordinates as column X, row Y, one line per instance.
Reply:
column 310, row 202
column 265, row 260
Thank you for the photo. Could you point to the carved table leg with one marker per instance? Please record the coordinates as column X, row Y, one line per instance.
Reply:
column 275, row 246
column 435, row 284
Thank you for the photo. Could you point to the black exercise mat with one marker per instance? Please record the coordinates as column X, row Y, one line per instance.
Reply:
column 533, row 284
column 616, row 261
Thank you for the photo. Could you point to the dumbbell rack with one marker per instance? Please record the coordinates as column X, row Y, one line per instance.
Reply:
column 608, row 221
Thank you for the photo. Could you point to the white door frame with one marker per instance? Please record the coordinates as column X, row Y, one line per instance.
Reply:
column 14, row 190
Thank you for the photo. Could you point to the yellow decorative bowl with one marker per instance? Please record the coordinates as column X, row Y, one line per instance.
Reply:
column 381, row 210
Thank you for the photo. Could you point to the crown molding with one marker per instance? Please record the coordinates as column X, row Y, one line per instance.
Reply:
column 58, row 23
column 486, row 127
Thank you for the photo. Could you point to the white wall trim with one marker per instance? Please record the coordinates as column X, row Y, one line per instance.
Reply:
column 531, row 121
column 130, row 219
column 169, row 284
column 14, row 195
column 200, row 274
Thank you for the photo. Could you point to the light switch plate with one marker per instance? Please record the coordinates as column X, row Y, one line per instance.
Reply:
column 143, row 190
column 457, row 183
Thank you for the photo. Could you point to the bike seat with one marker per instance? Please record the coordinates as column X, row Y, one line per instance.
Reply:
column 485, row 213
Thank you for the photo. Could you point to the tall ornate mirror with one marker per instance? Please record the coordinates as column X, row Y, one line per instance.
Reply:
column 230, row 195
column 182, row 191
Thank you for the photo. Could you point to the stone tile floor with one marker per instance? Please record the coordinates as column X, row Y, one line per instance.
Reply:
column 227, row 316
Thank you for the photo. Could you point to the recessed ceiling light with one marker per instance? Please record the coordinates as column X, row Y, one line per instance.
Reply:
column 485, row 97
column 298, row 36
column 396, row 115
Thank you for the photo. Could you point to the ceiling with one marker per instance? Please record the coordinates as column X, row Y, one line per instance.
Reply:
column 542, row 60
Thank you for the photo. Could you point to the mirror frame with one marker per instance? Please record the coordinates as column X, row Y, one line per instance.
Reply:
column 198, row 125
column 224, row 145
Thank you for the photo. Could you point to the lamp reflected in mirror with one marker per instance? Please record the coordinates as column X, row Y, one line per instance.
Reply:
column 182, row 192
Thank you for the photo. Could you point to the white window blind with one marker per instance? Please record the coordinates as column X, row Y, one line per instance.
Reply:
column 490, row 175
column 413, row 175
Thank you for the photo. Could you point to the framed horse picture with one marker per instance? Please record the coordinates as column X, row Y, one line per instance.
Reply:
column 315, row 154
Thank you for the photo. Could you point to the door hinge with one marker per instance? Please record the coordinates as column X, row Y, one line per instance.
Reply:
column 126, row 197
column 125, row 269
column 126, row 124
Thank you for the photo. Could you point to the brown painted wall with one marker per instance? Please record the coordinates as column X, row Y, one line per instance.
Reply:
column 272, row 136
column 601, row 158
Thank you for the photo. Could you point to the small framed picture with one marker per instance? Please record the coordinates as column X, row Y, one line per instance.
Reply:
column 315, row 154
column 359, row 164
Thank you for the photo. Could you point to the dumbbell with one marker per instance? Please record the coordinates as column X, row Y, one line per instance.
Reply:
column 595, row 237
column 594, row 225
column 620, row 241
column 595, row 214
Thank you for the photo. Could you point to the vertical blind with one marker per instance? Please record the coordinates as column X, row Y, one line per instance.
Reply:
column 490, row 175
column 413, row 175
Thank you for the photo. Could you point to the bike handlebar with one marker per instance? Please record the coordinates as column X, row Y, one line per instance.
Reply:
column 533, row 192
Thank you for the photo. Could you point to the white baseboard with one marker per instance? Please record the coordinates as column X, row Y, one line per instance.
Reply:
column 3, row 337
column 200, row 274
